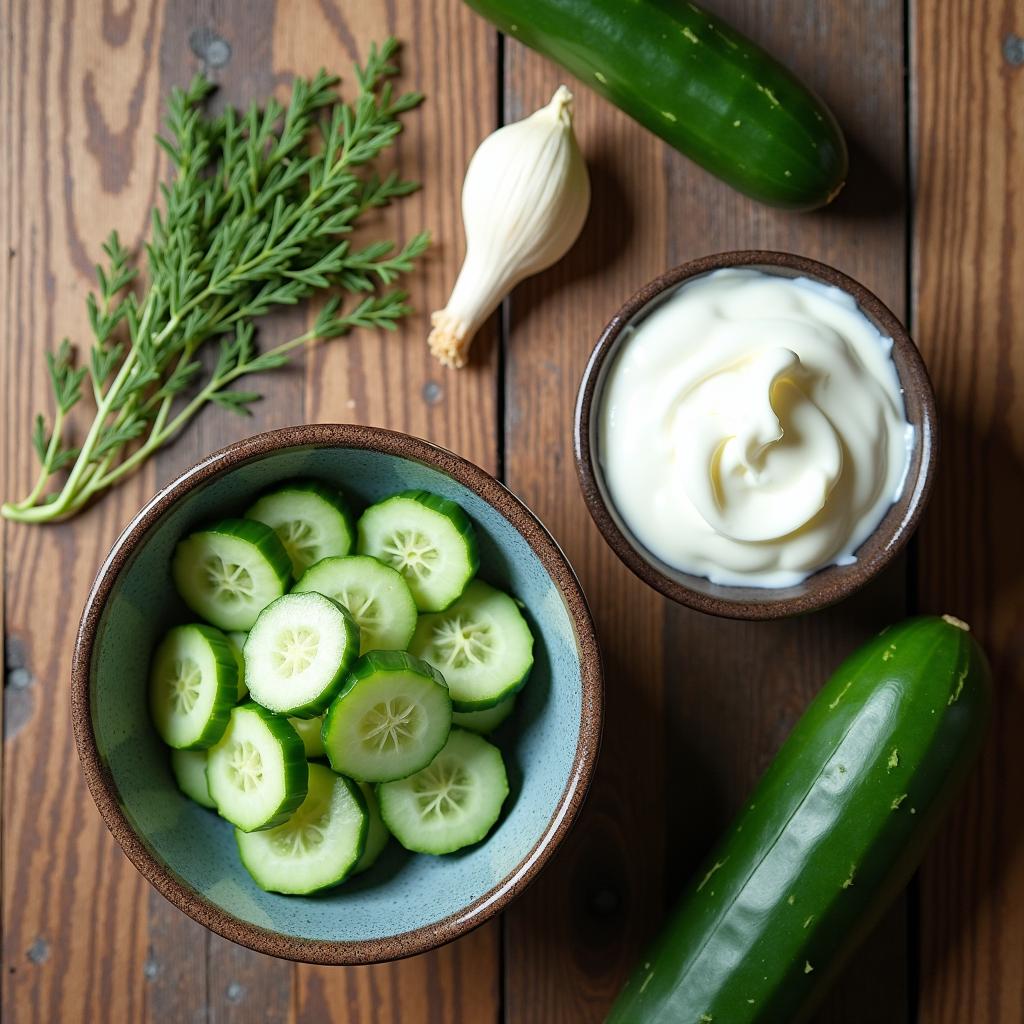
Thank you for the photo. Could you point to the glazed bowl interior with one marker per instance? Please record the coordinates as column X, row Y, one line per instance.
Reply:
column 825, row 587
column 405, row 903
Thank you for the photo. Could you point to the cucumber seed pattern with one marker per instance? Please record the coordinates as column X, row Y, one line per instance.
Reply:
column 461, row 641
column 304, row 832
column 295, row 650
column 410, row 552
column 360, row 605
column 301, row 542
column 229, row 582
column 184, row 685
column 441, row 788
column 391, row 723
column 245, row 766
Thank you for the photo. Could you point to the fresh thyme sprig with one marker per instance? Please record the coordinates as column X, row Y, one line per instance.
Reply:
column 256, row 217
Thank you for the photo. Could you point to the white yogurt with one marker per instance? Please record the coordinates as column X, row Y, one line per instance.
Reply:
column 752, row 428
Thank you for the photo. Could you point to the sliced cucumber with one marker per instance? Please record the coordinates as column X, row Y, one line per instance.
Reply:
column 189, row 767
column 311, row 520
column 486, row 721
column 310, row 731
column 229, row 572
column 453, row 802
column 318, row 846
column 390, row 718
column 257, row 773
column 192, row 685
column 297, row 654
column 377, row 834
column 375, row 595
column 428, row 539
column 237, row 642
column 481, row 644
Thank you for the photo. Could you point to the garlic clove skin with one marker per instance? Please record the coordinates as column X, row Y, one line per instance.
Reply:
column 524, row 202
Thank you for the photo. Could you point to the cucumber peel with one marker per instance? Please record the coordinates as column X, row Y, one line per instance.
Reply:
column 703, row 87
column 831, row 834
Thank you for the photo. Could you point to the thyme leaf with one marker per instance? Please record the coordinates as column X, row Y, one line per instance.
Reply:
column 257, row 215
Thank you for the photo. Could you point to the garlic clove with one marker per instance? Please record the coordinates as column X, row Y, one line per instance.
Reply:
column 524, row 202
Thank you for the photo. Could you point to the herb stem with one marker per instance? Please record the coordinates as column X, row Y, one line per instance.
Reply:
column 85, row 454
column 46, row 471
column 163, row 431
column 257, row 217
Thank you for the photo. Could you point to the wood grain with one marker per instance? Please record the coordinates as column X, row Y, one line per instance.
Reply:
column 574, row 934
column 969, row 321
column 695, row 706
column 79, row 103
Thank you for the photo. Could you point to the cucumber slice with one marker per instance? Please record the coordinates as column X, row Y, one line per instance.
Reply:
column 390, row 718
column 487, row 720
column 311, row 520
column 453, row 802
column 189, row 767
column 297, row 654
column 374, row 594
column 257, row 773
column 428, row 539
column 377, row 834
column 318, row 846
column 310, row 731
column 481, row 644
column 229, row 572
column 237, row 642
column 192, row 685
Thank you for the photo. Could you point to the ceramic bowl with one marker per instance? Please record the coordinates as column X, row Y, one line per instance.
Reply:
column 405, row 904
column 827, row 586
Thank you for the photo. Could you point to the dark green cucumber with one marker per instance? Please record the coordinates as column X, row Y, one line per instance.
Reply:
column 831, row 834
column 698, row 83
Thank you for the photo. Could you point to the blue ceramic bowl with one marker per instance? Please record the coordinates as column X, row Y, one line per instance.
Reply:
column 407, row 903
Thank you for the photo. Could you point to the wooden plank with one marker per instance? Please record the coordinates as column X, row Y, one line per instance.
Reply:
column 968, row 61
column 457, row 984
column 79, row 106
column 391, row 380
column 155, row 963
column 695, row 706
column 574, row 934
column 192, row 974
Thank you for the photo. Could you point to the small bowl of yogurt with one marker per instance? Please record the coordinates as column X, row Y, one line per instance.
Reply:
column 755, row 434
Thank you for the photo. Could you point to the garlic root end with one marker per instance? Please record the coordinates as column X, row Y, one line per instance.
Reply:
column 450, row 339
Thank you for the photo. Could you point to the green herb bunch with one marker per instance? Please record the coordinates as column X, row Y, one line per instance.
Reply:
column 256, row 217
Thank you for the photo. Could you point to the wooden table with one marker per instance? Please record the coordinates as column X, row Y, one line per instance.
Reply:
column 932, row 99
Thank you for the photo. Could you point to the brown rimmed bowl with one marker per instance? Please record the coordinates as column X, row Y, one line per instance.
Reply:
column 405, row 904
column 827, row 586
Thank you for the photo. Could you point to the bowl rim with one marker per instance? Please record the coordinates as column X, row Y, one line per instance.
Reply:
column 524, row 521
column 828, row 586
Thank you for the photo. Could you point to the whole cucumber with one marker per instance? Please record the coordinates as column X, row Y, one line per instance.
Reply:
column 831, row 834
column 703, row 87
